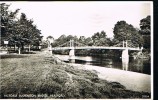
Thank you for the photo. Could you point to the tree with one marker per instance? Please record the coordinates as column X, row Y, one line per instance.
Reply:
column 89, row 41
column 61, row 40
column 51, row 37
column 26, row 33
column 82, row 39
column 145, row 31
column 124, row 31
column 18, row 32
column 7, row 22
column 100, row 39
column 145, row 26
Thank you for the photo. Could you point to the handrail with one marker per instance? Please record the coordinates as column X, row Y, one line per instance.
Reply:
column 95, row 47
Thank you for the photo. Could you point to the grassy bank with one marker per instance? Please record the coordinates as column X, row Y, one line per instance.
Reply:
column 41, row 76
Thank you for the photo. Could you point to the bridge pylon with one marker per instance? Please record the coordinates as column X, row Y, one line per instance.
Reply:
column 125, row 58
column 72, row 51
column 71, row 43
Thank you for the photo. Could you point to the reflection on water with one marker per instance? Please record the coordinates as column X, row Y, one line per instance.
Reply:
column 139, row 65
column 142, row 66
column 125, row 65
column 88, row 58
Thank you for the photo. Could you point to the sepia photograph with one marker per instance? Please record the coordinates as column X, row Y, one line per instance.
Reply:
column 76, row 50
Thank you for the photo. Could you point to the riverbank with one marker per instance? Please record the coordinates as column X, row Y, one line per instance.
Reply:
column 42, row 75
column 131, row 80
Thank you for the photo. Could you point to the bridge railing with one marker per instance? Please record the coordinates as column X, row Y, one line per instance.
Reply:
column 95, row 47
column 71, row 45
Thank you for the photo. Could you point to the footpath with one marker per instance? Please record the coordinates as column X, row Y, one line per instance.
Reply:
column 131, row 80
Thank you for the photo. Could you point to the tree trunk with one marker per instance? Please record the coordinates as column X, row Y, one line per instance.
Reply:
column 15, row 47
column 29, row 47
column 19, row 49
column 22, row 46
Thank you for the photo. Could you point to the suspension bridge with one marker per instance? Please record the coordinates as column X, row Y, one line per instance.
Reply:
column 76, row 45
column 73, row 45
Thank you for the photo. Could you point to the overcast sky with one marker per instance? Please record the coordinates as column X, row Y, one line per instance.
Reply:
column 81, row 18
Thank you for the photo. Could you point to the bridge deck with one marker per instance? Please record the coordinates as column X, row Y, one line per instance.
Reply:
column 95, row 47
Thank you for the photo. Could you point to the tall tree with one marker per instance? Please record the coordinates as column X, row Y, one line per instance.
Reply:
column 145, row 31
column 26, row 33
column 7, row 21
column 124, row 31
column 17, row 31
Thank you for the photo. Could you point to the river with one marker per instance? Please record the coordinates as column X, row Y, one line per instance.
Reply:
column 139, row 65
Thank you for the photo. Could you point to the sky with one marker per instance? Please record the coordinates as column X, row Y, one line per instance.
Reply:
column 81, row 18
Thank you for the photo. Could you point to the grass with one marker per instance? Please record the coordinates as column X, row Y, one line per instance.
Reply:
column 41, row 76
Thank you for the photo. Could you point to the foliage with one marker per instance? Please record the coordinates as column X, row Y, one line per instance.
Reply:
column 145, row 31
column 100, row 39
column 145, row 26
column 124, row 31
column 50, row 37
column 7, row 21
column 18, row 31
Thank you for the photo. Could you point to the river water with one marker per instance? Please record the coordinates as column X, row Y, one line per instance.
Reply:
column 139, row 65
